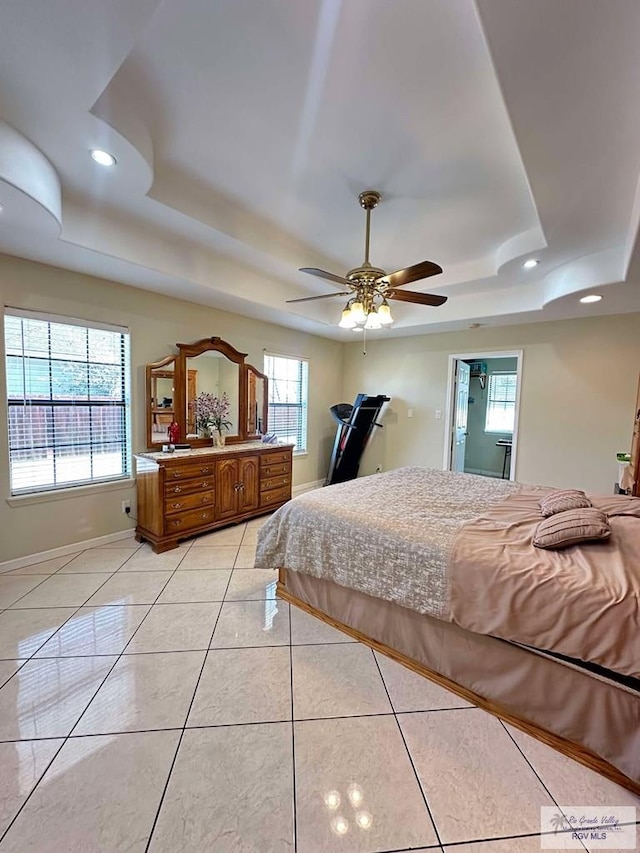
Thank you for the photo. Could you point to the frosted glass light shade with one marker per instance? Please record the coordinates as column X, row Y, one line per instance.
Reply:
column 373, row 322
column 357, row 312
column 384, row 315
column 347, row 321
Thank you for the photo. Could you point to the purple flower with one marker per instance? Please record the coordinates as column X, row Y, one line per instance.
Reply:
column 211, row 411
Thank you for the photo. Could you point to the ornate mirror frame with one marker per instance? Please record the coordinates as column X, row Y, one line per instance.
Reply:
column 152, row 409
column 182, row 372
column 262, row 414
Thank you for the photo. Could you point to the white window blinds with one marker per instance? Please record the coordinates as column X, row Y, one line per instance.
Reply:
column 288, row 391
column 67, row 401
column 501, row 402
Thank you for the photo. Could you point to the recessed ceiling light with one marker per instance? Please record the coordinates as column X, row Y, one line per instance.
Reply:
column 103, row 157
column 592, row 297
column 530, row 264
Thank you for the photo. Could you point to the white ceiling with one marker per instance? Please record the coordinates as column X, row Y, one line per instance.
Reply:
column 244, row 130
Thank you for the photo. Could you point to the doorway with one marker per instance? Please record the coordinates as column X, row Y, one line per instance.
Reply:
column 481, row 426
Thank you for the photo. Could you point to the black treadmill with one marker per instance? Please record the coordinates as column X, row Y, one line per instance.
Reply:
column 355, row 426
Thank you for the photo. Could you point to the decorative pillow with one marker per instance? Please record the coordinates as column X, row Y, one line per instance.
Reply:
column 563, row 500
column 571, row 527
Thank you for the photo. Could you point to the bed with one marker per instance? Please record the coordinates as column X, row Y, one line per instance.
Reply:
column 438, row 570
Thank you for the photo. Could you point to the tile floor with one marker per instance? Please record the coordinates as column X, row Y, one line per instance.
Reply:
column 170, row 703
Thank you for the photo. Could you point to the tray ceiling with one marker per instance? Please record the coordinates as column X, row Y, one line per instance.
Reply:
column 496, row 131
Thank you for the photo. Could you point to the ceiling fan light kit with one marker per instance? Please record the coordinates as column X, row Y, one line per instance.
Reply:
column 370, row 287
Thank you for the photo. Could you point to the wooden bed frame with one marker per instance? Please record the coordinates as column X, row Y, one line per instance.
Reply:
column 566, row 747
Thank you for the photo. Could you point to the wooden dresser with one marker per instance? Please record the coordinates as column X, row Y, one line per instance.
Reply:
column 193, row 491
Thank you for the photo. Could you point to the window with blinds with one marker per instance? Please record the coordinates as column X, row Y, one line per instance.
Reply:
column 501, row 402
column 67, row 401
column 288, row 391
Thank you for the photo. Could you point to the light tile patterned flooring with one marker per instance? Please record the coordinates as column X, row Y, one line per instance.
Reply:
column 171, row 703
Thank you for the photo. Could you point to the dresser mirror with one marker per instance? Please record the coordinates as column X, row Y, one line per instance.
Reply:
column 160, row 385
column 210, row 375
column 210, row 366
column 257, row 402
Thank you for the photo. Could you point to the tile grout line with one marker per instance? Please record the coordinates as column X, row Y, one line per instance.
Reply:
column 68, row 735
column 74, row 607
column 415, row 772
column 293, row 740
column 224, row 725
column 20, row 597
column 70, row 560
column 10, row 660
column 535, row 772
column 182, row 730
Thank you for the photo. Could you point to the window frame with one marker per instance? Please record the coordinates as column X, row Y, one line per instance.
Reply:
column 303, row 406
column 55, row 486
column 512, row 403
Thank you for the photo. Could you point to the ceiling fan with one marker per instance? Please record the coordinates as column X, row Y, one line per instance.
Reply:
column 370, row 287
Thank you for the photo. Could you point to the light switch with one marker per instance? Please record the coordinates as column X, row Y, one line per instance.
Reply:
column 409, row 413
column 438, row 414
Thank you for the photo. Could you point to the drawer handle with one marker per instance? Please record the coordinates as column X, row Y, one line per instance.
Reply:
column 204, row 515
column 176, row 522
column 176, row 506
column 176, row 490
column 205, row 470
column 206, row 500
column 204, row 485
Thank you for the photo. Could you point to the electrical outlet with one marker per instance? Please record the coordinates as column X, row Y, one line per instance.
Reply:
column 379, row 469
column 126, row 507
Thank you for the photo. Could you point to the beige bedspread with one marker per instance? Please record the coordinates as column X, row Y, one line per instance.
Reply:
column 459, row 547
column 582, row 601
column 388, row 535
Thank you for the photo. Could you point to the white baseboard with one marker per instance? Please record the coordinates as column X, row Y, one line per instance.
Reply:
column 29, row 559
column 484, row 473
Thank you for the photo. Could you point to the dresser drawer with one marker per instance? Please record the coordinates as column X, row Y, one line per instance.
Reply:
column 273, row 458
column 275, row 469
column 275, row 496
column 177, row 503
column 189, row 520
column 275, row 482
column 186, row 472
column 186, row 487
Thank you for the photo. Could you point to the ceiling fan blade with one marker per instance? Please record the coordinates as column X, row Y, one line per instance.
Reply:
column 422, row 270
column 328, row 276
column 324, row 296
column 419, row 298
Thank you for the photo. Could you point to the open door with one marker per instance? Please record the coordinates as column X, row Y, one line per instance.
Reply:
column 481, row 417
column 459, row 432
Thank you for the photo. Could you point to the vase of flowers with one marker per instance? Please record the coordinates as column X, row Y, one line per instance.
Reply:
column 211, row 416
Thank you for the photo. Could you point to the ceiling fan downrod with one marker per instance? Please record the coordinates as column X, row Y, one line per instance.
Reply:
column 369, row 200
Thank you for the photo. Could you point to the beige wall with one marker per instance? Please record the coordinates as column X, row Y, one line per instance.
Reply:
column 578, row 390
column 156, row 323
column 579, row 380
